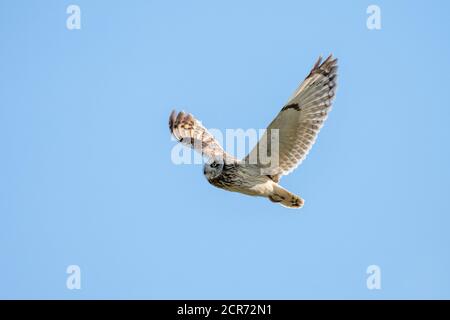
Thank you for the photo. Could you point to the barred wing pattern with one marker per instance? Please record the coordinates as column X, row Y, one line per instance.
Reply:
column 301, row 119
column 189, row 131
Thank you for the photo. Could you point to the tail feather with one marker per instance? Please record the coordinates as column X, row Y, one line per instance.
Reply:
column 286, row 198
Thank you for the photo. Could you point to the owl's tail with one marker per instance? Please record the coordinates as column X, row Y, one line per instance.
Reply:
column 285, row 198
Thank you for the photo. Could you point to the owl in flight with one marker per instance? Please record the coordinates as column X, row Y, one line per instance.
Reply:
column 298, row 124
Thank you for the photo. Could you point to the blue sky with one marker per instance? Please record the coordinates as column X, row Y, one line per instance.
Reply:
column 86, row 176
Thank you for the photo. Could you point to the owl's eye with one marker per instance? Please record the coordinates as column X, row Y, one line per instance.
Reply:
column 214, row 165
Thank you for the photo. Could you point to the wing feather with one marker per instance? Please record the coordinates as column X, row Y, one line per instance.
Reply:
column 190, row 132
column 301, row 119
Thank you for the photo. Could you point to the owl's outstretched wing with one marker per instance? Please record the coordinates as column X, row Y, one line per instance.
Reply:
column 190, row 132
column 301, row 119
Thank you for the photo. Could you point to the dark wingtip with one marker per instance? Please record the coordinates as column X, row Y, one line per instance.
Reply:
column 172, row 118
column 317, row 64
column 331, row 60
column 330, row 63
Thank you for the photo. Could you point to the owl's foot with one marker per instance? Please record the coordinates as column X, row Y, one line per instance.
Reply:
column 285, row 198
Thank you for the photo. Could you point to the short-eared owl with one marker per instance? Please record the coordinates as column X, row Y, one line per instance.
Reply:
column 298, row 124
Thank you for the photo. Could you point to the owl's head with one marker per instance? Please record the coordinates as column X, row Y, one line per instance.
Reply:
column 213, row 169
